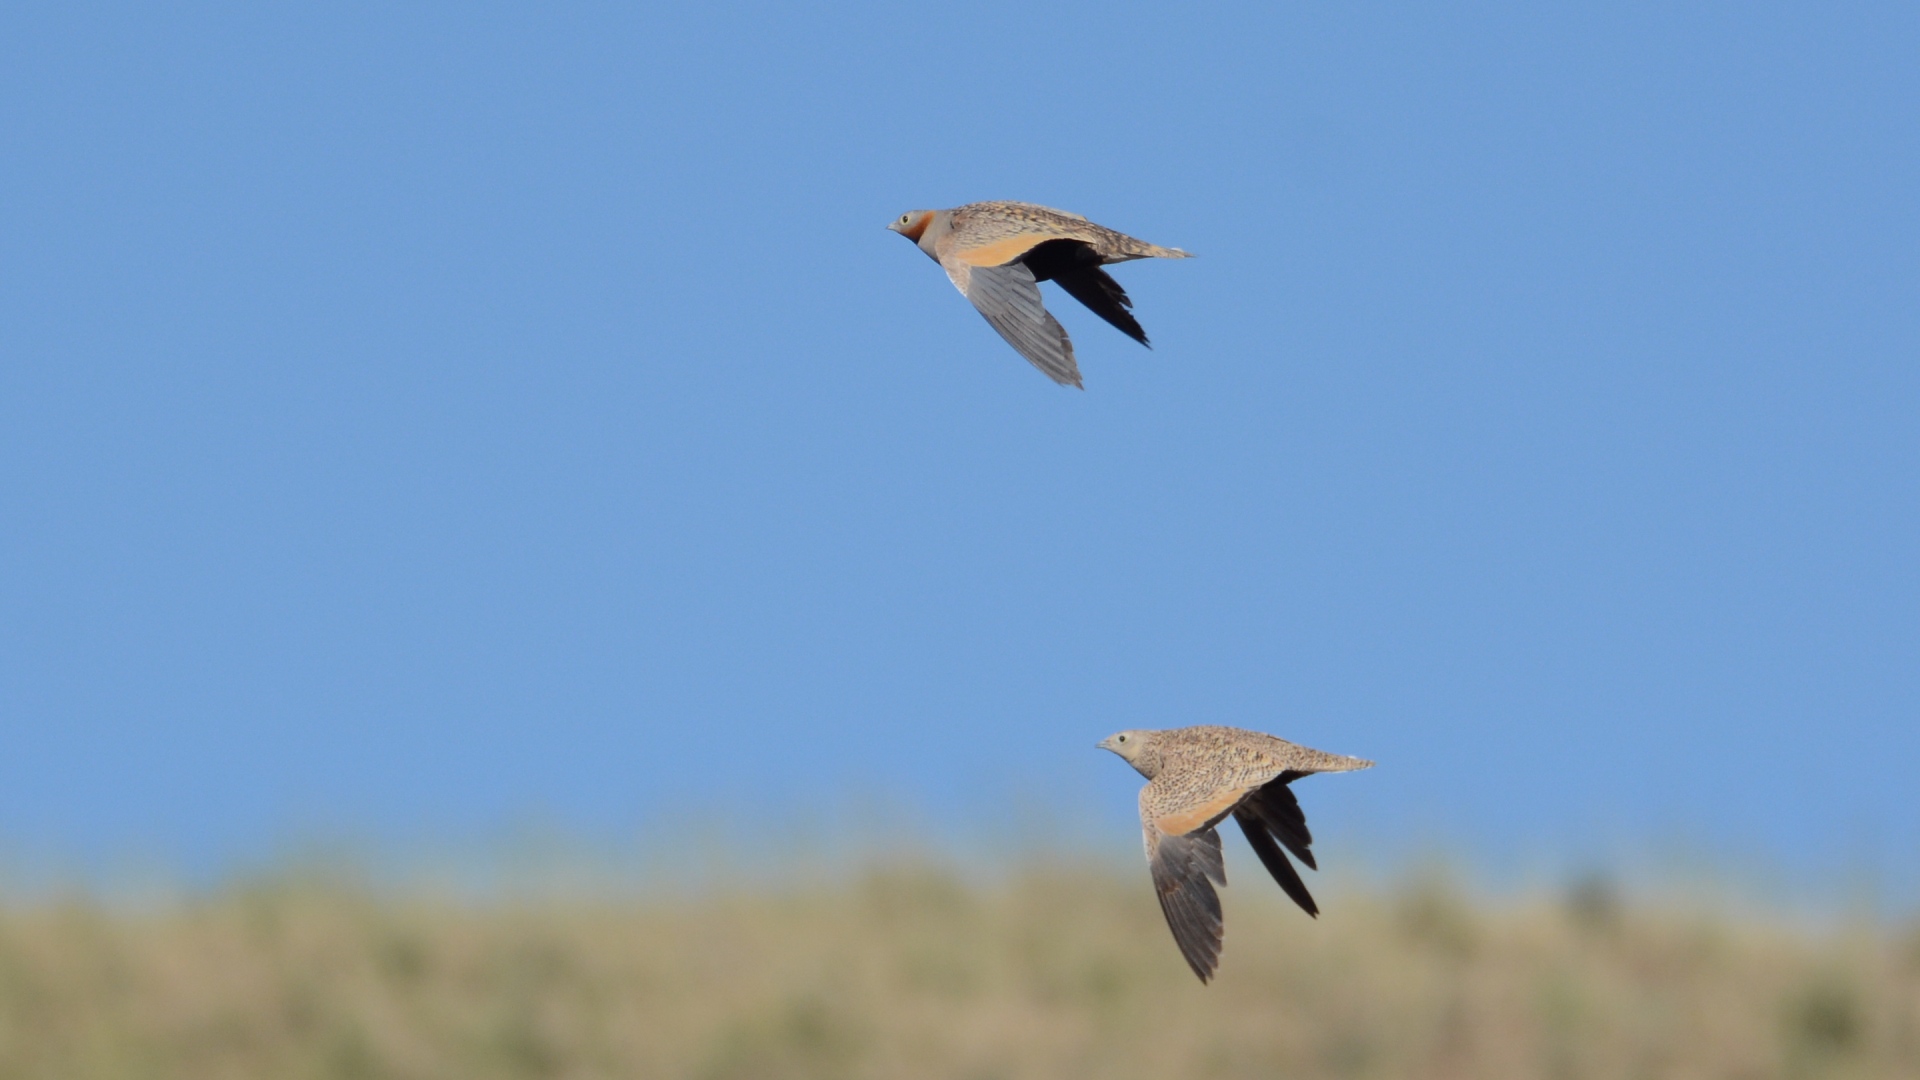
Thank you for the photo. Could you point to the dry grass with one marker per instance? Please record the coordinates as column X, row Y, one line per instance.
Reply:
column 912, row 973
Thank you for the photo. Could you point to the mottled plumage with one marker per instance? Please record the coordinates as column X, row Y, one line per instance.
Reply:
column 1196, row 776
column 997, row 253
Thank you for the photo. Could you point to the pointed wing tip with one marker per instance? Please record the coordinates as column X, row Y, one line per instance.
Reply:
column 1185, row 870
column 1204, row 962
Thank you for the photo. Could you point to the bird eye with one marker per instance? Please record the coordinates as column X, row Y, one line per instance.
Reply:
column 1122, row 738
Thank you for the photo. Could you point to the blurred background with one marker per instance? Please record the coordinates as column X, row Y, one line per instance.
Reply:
column 494, row 536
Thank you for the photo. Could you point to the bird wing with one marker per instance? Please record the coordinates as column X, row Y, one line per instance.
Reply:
column 1264, row 820
column 1185, row 870
column 1272, row 813
column 1010, row 299
column 1075, row 266
column 1276, row 805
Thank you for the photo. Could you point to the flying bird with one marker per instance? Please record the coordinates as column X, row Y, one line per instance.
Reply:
column 997, row 253
column 1196, row 776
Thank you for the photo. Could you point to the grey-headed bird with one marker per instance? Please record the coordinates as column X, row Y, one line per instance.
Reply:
column 997, row 253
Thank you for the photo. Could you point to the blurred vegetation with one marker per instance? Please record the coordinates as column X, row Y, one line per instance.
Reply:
column 906, row 971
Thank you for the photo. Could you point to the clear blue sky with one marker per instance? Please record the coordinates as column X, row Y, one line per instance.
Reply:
column 416, row 419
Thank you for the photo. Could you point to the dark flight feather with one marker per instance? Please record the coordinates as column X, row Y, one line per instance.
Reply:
column 1185, row 869
column 1275, row 860
column 1075, row 266
column 1277, row 806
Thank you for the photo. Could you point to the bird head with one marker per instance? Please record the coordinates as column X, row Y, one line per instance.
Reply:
column 912, row 223
column 1136, row 748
